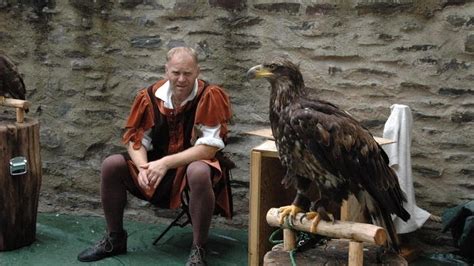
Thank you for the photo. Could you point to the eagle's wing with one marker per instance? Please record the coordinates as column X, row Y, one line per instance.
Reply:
column 346, row 149
column 11, row 81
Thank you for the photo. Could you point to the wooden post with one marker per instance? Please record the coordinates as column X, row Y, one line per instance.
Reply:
column 20, row 115
column 356, row 253
column 289, row 239
column 19, row 193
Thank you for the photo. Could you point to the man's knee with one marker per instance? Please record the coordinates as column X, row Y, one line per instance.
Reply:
column 113, row 165
column 199, row 175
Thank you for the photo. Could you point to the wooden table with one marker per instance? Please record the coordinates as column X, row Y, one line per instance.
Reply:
column 266, row 191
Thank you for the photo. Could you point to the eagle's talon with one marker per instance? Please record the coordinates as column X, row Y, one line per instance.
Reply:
column 290, row 212
column 302, row 217
column 316, row 218
column 311, row 215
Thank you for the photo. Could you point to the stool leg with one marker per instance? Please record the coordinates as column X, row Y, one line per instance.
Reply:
column 173, row 223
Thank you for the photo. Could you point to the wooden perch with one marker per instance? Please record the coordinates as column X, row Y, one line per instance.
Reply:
column 20, row 105
column 359, row 232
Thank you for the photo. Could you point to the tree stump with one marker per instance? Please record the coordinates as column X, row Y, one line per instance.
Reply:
column 334, row 252
column 19, row 193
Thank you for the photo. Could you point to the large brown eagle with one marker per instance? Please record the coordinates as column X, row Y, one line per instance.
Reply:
column 11, row 82
column 318, row 142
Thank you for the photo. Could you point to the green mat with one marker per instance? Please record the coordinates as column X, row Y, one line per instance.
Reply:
column 61, row 237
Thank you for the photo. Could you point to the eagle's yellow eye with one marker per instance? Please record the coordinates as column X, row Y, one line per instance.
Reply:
column 272, row 66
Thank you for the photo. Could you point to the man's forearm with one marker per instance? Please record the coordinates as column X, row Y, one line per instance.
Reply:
column 195, row 153
column 139, row 157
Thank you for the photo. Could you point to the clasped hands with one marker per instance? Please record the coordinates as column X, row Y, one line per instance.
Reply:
column 150, row 174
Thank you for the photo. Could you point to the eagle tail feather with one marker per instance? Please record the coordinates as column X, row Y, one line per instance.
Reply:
column 381, row 217
column 397, row 196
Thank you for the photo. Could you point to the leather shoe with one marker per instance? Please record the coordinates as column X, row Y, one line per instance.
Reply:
column 111, row 245
column 197, row 256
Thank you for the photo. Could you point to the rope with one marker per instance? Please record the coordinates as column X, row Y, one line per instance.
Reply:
column 292, row 257
column 273, row 241
column 279, row 241
column 304, row 241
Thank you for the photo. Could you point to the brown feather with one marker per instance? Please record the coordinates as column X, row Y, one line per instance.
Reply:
column 11, row 82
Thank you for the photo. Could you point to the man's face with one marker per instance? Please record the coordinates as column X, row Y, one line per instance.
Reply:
column 181, row 71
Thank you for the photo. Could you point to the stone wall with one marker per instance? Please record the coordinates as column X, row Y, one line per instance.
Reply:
column 84, row 60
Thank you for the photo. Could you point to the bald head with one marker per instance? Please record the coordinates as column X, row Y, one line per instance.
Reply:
column 182, row 51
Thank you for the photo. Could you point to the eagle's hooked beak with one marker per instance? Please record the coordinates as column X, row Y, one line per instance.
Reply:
column 259, row 71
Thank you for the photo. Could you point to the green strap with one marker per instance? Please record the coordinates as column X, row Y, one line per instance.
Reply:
column 278, row 241
column 272, row 236
column 301, row 236
column 292, row 257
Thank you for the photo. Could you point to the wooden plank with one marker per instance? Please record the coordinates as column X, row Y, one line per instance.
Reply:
column 272, row 194
column 266, row 192
column 267, row 149
column 267, row 133
column 255, row 211
column 263, row 132
column 383, row 141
